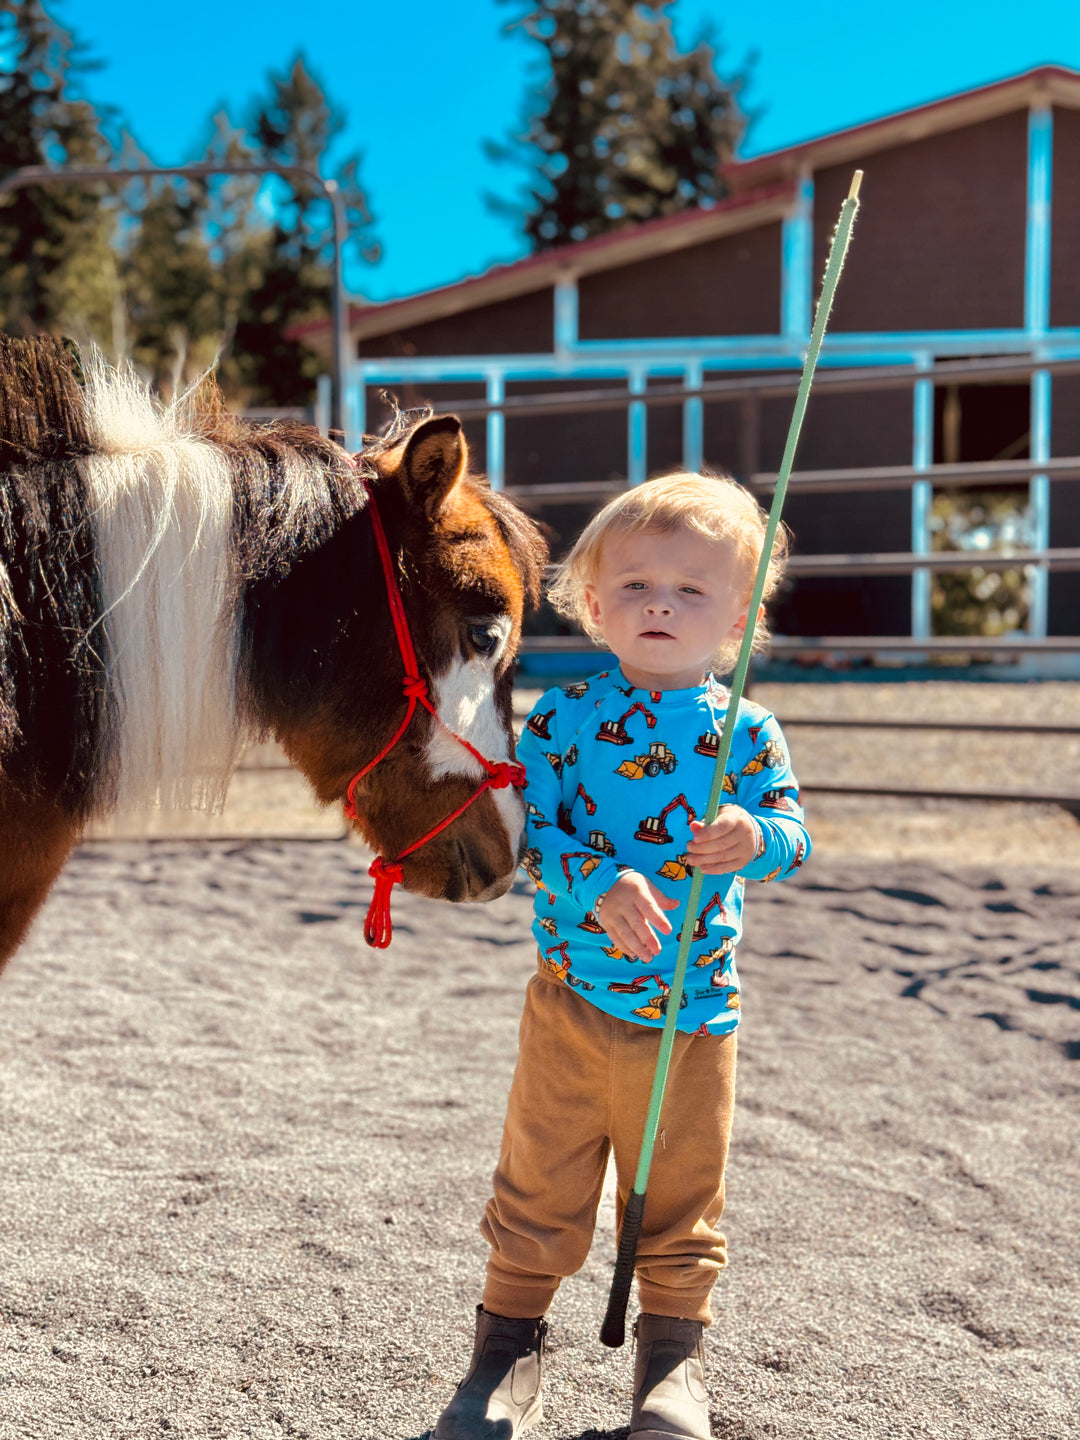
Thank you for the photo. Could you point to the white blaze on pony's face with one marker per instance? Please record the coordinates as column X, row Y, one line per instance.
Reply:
column 464, row 695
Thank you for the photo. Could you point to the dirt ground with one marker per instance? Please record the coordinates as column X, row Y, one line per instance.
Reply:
column 244, row 1157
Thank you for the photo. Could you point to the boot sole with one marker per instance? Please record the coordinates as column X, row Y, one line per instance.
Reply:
column 657, row 1435
column 532, row 1417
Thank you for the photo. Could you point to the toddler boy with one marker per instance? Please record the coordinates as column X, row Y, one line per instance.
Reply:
column 619, row 769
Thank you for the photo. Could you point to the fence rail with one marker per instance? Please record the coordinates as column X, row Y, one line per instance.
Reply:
column 771, row 386
column 786, row 646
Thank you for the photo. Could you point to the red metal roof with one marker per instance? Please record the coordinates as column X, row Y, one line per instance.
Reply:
column 1051, row 83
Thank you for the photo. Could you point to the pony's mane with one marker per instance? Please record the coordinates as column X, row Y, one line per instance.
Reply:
column 41, row 415
column 187, row 505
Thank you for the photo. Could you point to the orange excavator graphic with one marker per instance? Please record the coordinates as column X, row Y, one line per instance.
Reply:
column 547, row 923
column 614, row 731
column 555, row 761
column 778, row 799
column 659, row 758
column 655, row 1008
column 591, row 924
column 653, row 829
column 589, row 857
column 599, row 841
column 701, row 930
column 538, row 724
column 561, row 968
column 708, row 744
column 800, row 851
column 564, row 813
column 636, row 986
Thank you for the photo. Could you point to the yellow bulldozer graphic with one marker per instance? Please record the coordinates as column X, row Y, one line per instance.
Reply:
column 659, row 759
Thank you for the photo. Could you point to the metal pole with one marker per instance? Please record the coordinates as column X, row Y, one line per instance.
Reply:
column 93, row 174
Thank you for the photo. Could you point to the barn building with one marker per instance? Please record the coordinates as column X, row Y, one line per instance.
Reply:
column 952, row 362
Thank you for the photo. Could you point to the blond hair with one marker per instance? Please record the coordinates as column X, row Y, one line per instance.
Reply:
column 714, row 506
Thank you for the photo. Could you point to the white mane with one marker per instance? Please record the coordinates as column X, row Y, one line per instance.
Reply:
column 161, row 501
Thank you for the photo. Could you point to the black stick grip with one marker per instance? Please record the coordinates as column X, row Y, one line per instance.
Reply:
column 613, row 1332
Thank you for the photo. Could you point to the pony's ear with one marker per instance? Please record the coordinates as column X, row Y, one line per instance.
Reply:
column 434, row 461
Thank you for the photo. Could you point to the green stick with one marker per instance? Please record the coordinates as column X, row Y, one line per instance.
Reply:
column 614, row 1328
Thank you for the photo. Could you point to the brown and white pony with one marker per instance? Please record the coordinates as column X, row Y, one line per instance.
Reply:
column 174, row 583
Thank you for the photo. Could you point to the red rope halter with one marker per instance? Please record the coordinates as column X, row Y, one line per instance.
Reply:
column 378, row 929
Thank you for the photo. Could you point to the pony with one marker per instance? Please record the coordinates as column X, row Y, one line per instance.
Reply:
column 175, row 584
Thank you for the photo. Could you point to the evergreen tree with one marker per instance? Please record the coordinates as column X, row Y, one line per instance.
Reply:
column 197, row 249
column 57, row 268
column 295, row 125
column 625, row 126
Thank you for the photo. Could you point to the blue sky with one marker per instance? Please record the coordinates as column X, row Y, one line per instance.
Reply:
column 425, row 82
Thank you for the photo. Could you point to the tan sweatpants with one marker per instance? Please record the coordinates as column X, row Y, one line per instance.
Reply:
column 581, row 1090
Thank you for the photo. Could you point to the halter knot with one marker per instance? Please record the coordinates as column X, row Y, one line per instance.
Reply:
column 378, row 930
column 504, row 773
column 415, row 687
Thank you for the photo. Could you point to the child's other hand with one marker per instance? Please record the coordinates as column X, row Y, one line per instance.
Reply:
column 632, row 911
column 729, row 843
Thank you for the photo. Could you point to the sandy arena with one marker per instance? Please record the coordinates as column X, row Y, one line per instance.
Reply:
column 244, row 1156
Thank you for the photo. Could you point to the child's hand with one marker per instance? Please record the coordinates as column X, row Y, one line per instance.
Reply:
column 629, row 912
column 726, row 845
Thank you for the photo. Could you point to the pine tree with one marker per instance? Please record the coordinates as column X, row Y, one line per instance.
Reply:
column 57, row 268
column 198, row 247
column 295, row 125
column 625, row 127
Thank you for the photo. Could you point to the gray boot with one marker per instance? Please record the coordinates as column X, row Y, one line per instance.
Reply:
column 670, row 1400
column 500, row 1396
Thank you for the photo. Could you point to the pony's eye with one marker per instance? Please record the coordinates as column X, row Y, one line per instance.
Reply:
column 484, row 639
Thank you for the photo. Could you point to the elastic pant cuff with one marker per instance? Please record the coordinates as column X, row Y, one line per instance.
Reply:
column 674, row 1304
column 518, row 1300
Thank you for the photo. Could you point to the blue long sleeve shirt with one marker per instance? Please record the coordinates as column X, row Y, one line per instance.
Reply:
column 615, row 775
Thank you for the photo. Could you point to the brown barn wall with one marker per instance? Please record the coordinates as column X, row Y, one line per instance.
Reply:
column 729, row 286
column 939, row 242
column 724, row 442
column 525, row 324
column 1065, row 221
column 565, row 448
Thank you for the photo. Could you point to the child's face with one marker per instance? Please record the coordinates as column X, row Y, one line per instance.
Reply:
column 665, row 602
